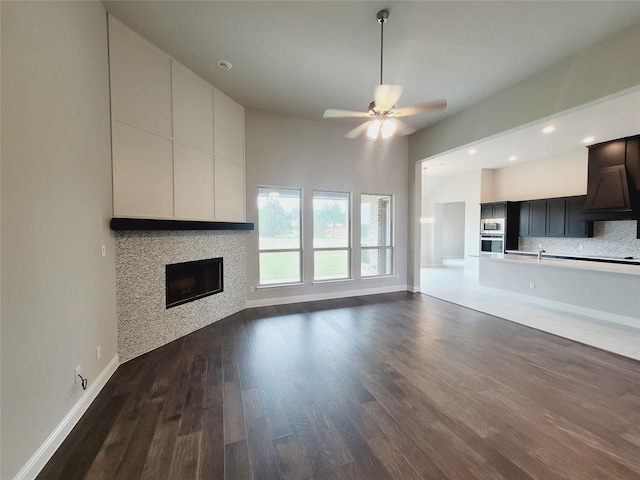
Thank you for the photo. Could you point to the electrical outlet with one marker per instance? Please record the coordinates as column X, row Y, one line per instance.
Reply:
column 252, row 289
column 104, row 250
column 532, row 285
column 78, row 373
column 98, row 352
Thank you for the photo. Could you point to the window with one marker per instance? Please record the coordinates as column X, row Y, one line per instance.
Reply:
column 279, row 239
column 376, row 235
column 331, row 235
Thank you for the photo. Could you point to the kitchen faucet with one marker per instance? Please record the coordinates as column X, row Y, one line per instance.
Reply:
column 540, row 252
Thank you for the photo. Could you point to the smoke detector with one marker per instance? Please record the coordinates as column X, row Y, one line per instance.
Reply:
column 225, row 65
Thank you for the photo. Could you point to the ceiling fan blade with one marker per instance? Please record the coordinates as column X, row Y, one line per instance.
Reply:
column 420, row 108
column 401, row 127
column 359, row 130
column 386, row 95
column 337, row 113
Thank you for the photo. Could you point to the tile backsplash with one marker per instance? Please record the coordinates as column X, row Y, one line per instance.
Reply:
column 610, row 239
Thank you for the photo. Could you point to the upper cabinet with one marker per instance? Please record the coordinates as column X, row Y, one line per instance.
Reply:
column 576, row 224
column 493, row 210
column 613, row 187
column 538, row 218
column 554, row 217
column 608, row 177
column 177, row 142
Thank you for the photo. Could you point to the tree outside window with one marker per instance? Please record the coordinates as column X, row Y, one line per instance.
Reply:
column 331, row 235
column 279, row 238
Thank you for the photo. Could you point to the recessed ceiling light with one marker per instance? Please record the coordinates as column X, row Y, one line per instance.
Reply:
column 471, row 151
column 548, row 129
column 441, row 165
column 513, row 158
column 587, row 139
column 225, row 65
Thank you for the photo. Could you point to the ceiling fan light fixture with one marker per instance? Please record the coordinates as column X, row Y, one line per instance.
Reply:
column 388, row 129
column 374, row 129
column 382, row 113
column 381, row 128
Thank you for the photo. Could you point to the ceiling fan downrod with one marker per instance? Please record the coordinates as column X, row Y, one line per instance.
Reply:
column 382, row 16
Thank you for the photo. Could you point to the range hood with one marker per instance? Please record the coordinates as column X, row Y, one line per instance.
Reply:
column 613, row 185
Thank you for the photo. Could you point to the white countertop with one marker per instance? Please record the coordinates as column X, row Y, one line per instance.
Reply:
column 532, row 258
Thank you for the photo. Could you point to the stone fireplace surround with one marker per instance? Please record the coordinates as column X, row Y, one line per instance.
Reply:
column 144, row 322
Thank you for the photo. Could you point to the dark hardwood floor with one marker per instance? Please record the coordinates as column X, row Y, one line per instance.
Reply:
column 393, row 386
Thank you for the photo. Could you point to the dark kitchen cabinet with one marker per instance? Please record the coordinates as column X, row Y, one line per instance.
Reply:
column 613, row 185
column 493, row 210
column 576, row 224
column 525, row 212
column 554, row 217
column 510, row 212
column 538, row 218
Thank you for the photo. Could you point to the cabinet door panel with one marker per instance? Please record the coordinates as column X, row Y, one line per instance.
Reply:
column 575, row 225
column 193, row 173
column 499, row 210
column 228, row 124
column 229, row 191
column 486, row 211
column 140, row 81
column 538, row 218
column 523, row 229
column 192, row 109
column 142, row 173
column 555, row 217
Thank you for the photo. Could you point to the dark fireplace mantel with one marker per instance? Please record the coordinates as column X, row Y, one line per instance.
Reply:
column 119, row 224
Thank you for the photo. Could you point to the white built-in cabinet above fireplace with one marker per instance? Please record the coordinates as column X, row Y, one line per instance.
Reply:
column 178, row 142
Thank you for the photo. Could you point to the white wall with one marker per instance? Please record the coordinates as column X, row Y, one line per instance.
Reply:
column 58, row 293
column 293, row 152
column 453, row 230
column 559, row 176
column 437, row 191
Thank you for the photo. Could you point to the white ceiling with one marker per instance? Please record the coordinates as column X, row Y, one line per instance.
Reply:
column 301, row 57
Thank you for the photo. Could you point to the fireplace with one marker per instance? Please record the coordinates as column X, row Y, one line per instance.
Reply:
column 189, row 281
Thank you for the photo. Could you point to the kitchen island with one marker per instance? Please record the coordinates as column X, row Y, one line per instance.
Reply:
column 602, row 289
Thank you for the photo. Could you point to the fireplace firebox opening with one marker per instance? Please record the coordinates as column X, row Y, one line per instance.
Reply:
column 189, row 281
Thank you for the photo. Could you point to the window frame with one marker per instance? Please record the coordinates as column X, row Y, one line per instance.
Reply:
column 390, row 247
column 300, row 248
column 348, row 248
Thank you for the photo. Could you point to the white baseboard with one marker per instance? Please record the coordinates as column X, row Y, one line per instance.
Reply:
column 39, row 459
column 324, row 296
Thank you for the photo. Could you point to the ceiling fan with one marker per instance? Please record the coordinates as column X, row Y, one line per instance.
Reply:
column 382, row 114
